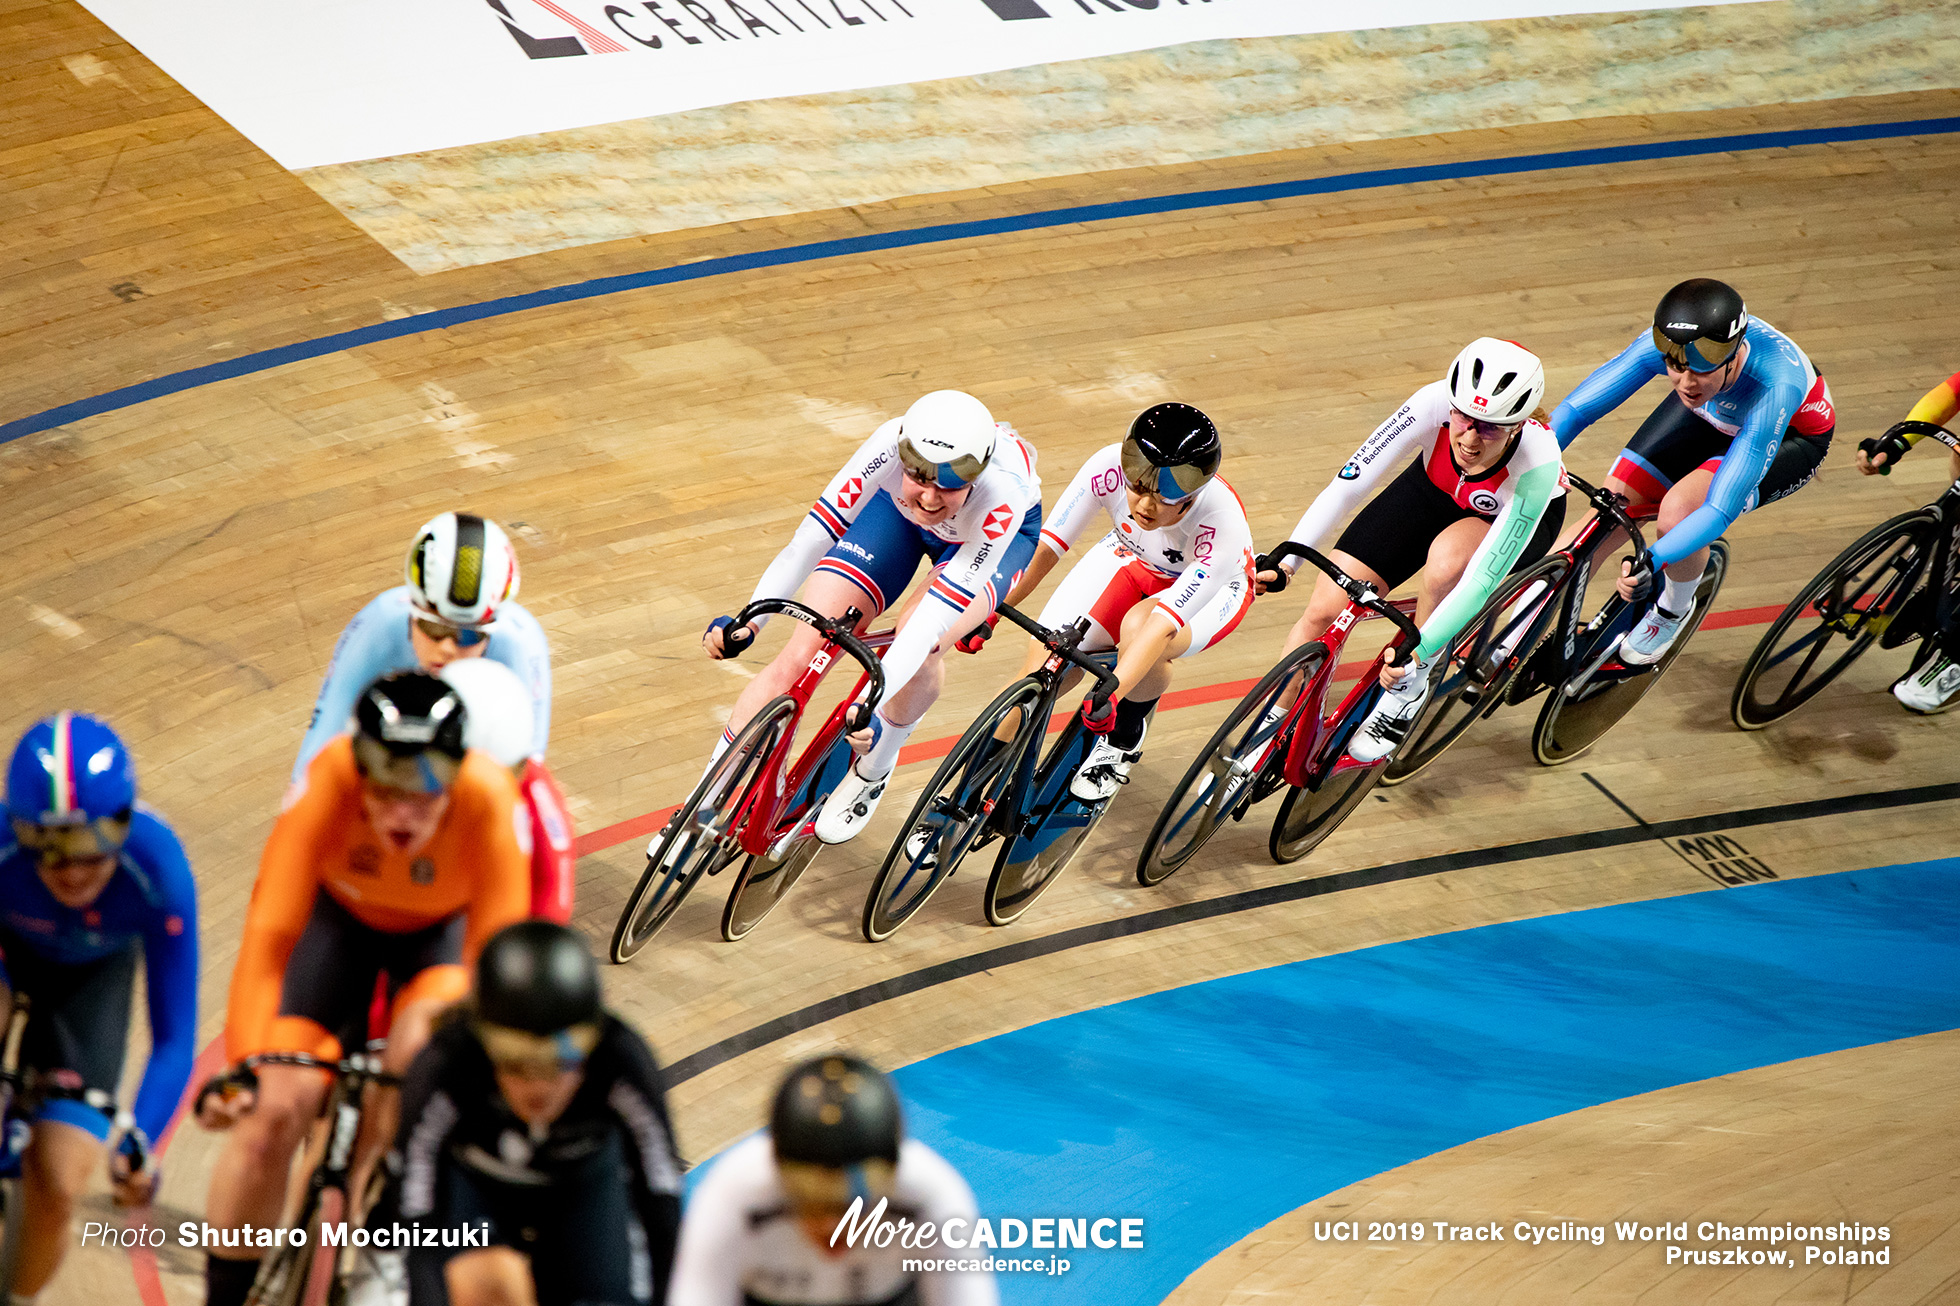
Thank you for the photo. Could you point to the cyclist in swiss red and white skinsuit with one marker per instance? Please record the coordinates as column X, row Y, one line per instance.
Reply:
column 1172, row 577
column 945, row 483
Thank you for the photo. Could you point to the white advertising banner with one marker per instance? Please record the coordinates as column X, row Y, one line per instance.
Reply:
column 314, row 82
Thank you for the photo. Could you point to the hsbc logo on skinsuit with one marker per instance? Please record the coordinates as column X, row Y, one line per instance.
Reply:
column 678, row 24
column 995, row 524
column 847, row 497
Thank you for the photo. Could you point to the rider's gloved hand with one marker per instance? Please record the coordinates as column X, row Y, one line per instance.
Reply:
column 133, row 1171
column 724, row 639
column 1637, row 579
column 226, row 1098
column 1878, row 457
column 973, row 639
column 1098, row 723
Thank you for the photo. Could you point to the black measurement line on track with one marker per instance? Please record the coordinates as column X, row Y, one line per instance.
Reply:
column 1641, row 821
column 760, row 1036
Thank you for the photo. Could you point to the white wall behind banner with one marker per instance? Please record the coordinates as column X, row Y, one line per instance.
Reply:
column 316, row 82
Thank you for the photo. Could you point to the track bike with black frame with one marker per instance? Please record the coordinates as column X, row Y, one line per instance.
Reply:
column 1267, row 743
column 22, row 1092
column 1894, row 585
column 307, row 1271
column 752, row 800
column 1533, row 636
column 992, row 787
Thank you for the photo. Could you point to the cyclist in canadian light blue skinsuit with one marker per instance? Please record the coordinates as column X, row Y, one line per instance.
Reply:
column 458, row 603
column 1748, row 423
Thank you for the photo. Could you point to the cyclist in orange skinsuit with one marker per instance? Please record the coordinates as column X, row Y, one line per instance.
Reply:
column 398, row 858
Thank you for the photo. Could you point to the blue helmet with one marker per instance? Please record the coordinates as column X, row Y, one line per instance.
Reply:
column 71, row 786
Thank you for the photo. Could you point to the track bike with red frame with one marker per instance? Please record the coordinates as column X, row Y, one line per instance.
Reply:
column 753, row 800
column 1270, row 741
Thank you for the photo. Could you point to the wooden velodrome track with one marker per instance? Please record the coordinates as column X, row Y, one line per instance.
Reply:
column 183, row 566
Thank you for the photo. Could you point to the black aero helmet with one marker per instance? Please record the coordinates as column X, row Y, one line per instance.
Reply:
column 837, row 1112
column 408, row 732
column 538, row 977
column 1699, row 323
column 1172, row 450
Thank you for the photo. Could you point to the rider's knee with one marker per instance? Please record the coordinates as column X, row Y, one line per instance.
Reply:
column 495, row 1276
column 60, row 1161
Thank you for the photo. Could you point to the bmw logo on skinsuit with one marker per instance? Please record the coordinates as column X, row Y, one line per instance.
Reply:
column 1351, row 472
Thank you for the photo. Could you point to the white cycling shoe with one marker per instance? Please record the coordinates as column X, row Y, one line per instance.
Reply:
column 850, row 806
column 1932, row 688
column 1104, row 771
column 1384, row 729
column 1655, row 635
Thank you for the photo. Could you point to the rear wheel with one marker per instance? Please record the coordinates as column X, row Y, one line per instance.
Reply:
column 952, row 814
column 767, row 877
column 1225, row 778
column 1575, row 715
column 1857, row 599
column 699, row 839
column 1479, row 666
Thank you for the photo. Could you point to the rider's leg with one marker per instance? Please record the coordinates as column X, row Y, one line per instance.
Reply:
column 829, row 594
column 432, row 991
column 1449, row 554
column 1683, row 574
column 248, row 1183
column 54, row 1172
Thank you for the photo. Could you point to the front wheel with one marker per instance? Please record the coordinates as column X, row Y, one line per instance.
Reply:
column 700, row 839
column 767, row 877
column 299, row 1274
column 1308, row 816
column 10, row 1217
column 1056, row 826
column 1479, row 666
column 952, row 813
column 1225, row 778
column 1579, row 711
column 1855, row 600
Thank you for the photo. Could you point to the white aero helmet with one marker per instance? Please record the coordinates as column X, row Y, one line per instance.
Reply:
column 461, row 570
column 1496, row 381
column 499, row 717
column 946, row 438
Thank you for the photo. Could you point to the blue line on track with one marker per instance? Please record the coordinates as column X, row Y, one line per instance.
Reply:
column 439, row 319
column 1210, row 1110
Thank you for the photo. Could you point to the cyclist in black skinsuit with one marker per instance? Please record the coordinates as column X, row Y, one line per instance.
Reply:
column 539, row 1114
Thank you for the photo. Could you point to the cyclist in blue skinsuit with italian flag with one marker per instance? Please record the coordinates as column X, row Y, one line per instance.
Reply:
column 89, row 880
column 1748, row 423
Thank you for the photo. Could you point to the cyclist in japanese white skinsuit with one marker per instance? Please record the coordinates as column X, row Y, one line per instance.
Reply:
column 1172, row 577
column 945, row 483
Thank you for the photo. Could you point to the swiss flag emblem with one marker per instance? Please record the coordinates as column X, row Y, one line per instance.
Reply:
column 853, row 491
column 1480, row 401
column 996, row 522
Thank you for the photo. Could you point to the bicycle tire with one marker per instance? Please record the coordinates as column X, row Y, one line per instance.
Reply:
column 1575, row 717
column 1033, row 857
column 1746, row 706
column 1308, row 816
column 766, row 878
column 1469, row 687
column 1222, row 750
column 664, row 885
column 318, row 1283
column 897, row 892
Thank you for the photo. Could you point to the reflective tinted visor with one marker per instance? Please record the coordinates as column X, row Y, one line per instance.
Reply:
column 826, row 1188
column 1171, row 484
column 465, row 636
column 521, row 1052
column 955, row 475
column 422, row 772
column 73, row 842
column 1698, row 355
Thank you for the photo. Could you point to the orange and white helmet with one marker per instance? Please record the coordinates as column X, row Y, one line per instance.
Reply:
column 461, row 569
column 1497, row 381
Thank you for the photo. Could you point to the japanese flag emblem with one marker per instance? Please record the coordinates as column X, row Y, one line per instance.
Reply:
column 996, row 522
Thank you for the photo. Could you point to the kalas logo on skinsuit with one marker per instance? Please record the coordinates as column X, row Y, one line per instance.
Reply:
column 677, row 24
